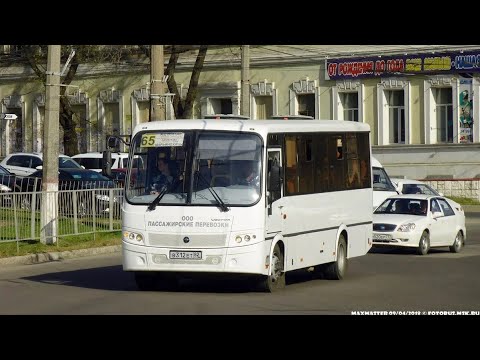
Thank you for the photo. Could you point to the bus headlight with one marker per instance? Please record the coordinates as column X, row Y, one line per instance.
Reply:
column 246, row 238
column 132, row 236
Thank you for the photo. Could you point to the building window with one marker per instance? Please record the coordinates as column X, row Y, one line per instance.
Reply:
column 221, row 106
column 349, row 103
column 347, row 100
column 264, row 107
column 396, row 114
column 305, row 98
column 444, row 114
column 306, row 104
column 218, row 98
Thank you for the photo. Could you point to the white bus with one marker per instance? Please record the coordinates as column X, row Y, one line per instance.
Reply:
column 308, row 205
column 382, row 185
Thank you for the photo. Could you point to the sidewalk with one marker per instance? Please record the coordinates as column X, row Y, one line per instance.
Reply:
column 56, row 256
column 471, row 208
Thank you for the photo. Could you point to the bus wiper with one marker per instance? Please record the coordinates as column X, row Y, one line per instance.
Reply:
column 159, row 197
column 166, row 188
column 220, row 202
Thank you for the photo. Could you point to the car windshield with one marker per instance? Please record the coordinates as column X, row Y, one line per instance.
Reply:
column 418, row 189
column 3, row 171
column 67, row 163
column 403, row 206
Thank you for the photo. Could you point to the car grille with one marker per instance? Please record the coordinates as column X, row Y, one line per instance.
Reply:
column 384, row 227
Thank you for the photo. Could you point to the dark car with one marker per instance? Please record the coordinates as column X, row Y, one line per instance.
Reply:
column 7, row 186
column 72, row 184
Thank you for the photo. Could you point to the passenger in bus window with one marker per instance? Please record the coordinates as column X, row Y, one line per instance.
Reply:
column 162, row 176
column 248, row 176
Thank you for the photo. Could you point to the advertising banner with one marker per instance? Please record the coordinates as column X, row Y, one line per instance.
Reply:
column 397, row 65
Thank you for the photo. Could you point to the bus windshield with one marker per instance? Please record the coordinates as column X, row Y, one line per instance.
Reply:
column 208, row 168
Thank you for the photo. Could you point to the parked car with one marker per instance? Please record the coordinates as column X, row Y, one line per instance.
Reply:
column 7, row 186
column 419, row 221
column 25, row 164
column 71, row 179
column 409, row 186
column 94, row 160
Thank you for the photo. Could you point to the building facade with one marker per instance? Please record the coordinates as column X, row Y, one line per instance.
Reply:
column 421, row 102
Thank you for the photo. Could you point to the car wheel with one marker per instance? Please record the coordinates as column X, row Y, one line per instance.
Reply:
column 338, row 269
column 424, row 244
column 276, row 280
column 457, row 244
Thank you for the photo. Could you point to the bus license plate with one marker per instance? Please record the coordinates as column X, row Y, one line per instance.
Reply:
column 188, row 255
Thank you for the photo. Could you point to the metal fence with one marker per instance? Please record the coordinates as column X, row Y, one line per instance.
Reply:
column 80, row 211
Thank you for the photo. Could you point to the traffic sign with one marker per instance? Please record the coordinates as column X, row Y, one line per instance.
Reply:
column 8, row 116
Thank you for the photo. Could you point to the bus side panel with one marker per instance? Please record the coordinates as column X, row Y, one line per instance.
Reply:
column 312, row 222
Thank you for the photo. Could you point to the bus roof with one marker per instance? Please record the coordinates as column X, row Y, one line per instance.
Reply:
column 260, row 126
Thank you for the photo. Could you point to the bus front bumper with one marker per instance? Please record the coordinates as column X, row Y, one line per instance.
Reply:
column 249, row 259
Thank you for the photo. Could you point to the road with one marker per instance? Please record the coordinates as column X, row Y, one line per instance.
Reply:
column 383, row 280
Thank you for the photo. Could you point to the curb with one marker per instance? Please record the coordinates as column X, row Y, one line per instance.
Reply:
column 59, row 255
column 471, row 208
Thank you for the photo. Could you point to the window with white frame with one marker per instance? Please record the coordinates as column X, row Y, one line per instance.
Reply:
column 349, row 104
column 263, row 107
column 219, row 98
column 263, row 100
column 444, row 114
column 347, row 100
column 221, row 105
column 396, row 115
column 305, row 98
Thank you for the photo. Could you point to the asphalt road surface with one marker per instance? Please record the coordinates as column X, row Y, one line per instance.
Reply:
column 382, row 281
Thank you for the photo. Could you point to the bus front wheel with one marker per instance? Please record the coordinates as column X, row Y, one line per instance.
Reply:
column 276, row 280
column 337, row 269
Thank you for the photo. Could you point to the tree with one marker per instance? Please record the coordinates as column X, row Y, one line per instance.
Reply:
column 183, row 108
column 35, row 56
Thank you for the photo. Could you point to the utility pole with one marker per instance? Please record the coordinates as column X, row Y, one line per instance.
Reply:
column 157, row 97
column 48, row 219
column 245, row 74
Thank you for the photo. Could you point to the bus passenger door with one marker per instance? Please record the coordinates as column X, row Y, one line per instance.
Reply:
column 274, row 196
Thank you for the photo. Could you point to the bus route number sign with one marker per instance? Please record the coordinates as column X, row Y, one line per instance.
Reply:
column 162, row 140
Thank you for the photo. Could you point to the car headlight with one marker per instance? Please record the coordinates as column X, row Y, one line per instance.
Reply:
column 4, row 188
column 406, row 227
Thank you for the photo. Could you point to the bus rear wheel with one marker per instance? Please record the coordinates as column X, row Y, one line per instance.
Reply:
column 276, row 280
column 337, row 270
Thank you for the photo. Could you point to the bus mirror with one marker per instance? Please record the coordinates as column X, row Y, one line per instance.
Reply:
column 107, row 163
column 275, row 178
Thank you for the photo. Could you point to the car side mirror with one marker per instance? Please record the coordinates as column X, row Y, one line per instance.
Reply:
column 441, row 194
column 436, row 214
column 39, row 167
